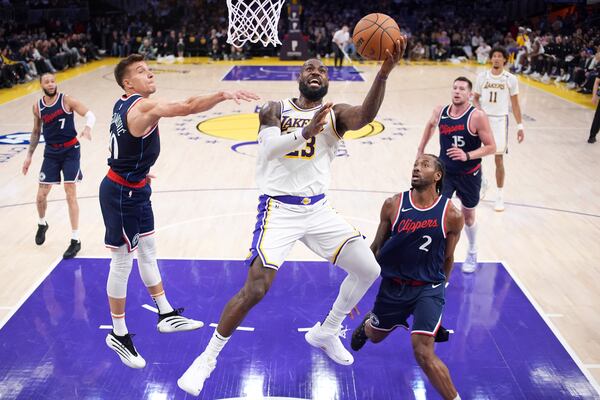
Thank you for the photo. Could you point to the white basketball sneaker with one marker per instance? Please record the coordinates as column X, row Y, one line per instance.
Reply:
column 123, row 346
column 470, row 264
column 192, row 380
column 499, row 204
column 330, row 343
column 175, row 322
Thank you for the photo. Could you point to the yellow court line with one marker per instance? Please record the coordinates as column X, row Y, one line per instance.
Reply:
column 7, row 95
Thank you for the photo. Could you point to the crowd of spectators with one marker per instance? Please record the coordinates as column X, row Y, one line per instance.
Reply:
column 564, row 48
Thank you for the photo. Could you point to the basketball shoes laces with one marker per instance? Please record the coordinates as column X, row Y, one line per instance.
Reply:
column 123, row 346
column 330, row 343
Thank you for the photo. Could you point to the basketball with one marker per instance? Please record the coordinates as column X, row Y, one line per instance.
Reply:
column 375, row 33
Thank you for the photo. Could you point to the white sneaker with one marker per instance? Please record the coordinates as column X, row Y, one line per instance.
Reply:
column 330, row 343
column 175, row 322
column 499, row 205
column 192, row 380
column 123, row 346
column 545, row 79
column 470, row 264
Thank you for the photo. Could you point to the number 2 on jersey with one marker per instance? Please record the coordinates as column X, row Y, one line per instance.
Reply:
column 428, row 241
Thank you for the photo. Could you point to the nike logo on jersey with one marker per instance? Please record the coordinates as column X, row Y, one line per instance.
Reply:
column 406, row 209
column 434, row 286
column 77, row 146
column 444, row 117
column 475, row 173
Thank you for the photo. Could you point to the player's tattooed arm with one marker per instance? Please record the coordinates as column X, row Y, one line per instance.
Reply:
column 355, row 117
column 386, row 220
column 270, row 115
column 34, row 139
column 454, row 224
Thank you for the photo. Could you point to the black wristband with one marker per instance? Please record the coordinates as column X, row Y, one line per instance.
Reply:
column 468, row 156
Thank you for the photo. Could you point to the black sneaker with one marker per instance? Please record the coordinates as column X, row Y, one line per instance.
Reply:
column 123, row 346
column 40, row 235
column 73, row 249
column 359, row 336
column 592, row 139
column 175, row 322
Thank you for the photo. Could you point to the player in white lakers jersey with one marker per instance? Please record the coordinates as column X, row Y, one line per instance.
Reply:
column 297, row 140
column 494, row 89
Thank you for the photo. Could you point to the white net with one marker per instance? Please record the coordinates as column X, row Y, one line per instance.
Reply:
column 254, row 21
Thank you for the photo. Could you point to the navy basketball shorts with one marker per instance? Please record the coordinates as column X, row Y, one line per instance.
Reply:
column 57, row 160
column 127, row 214
column 395, row 303
column 466, row 186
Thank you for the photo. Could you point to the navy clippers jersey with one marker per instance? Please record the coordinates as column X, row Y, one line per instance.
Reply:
column 131, row 157
column 58, row 125
column 416, row 248
column 454, row 132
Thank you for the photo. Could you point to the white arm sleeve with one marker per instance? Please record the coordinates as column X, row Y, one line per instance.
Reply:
column 272, row 144
column 90, row 119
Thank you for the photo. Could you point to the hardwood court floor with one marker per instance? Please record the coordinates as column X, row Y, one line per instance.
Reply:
column 205, row 196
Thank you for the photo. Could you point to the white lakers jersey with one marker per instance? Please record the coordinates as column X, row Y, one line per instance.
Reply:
column 495, row 91
column 304, row 172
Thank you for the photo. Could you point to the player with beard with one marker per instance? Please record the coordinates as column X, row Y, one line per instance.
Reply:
column 414, row 244
column 298, row 139
column 465, row 137
column 53, row 116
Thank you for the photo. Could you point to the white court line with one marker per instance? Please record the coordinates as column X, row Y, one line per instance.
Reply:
column 304, row 329
column 239, row 328
column 32, row 289
column 553, row 328
column 150, row 308
column 105, row 327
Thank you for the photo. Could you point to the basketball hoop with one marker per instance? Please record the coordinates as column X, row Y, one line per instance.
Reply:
column 254, row 21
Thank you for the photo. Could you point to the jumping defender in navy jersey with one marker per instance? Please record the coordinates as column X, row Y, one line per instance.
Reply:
column 53, row 117
column 465, row 137
column 125, row 196
column 414, row 244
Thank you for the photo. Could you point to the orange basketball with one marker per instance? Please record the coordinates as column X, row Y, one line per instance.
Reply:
column 374, row 34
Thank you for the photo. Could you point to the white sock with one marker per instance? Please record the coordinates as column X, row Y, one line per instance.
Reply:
column 471, row 232
column 334, row 320
column 216, row 344
column 163, row 305
column 499, row 193
column 457, row 397
column 75, row 234
column 119, row 326
column 42, row 221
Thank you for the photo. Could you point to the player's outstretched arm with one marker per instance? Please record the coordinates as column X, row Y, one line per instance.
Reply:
column 386, row 217
column 429, row 130
column 34, row 139
column 81, row 109
column 454, row 224
column 146, row 114
column 355, row 117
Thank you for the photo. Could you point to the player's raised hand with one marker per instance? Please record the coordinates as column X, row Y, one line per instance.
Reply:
column 26, row 165
column 86, row 133
column 317, row 122
column 240, row 95
column 392, row 58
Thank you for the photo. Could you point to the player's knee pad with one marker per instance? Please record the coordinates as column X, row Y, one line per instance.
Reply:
column 120, row 267
column 147, row 261
column 357, row 259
